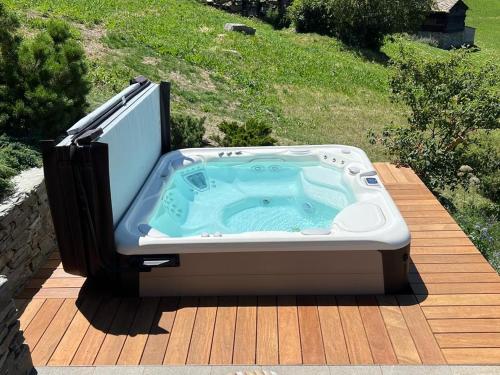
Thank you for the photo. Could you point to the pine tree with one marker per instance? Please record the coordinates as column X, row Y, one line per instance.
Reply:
column 43, row 80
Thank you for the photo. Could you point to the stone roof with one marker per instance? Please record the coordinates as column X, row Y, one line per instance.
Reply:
column 445, row 5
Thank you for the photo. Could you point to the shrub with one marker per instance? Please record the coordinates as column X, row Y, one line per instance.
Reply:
column 43, row 84
column 277, row 18
column 478, row 217
column 359, row 22
column 186, row 131
column 482, row 154
column 252, row 133
column 450, row 101
column 14, row 157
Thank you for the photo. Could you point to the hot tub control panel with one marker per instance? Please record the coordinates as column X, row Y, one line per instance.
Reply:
column 371, row 181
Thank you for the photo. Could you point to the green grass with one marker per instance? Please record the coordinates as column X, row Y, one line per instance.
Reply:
column 311, row 88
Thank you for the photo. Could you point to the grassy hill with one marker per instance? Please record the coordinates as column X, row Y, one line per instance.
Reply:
column 312, row 89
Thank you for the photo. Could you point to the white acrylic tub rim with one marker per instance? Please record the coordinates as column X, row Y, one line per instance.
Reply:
column 372, row 222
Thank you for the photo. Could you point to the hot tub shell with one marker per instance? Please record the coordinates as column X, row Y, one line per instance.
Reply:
column 104, row 178
column 364, row 252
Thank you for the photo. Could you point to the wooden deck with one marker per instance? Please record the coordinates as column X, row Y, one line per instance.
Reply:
column 453, row 316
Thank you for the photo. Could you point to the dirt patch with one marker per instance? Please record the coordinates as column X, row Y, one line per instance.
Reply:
column 94, row 48
column 91, row 36
column 150, row 60
column 205, row 29
column 200, row 81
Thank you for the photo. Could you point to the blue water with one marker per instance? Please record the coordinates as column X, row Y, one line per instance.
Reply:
column 262, row 195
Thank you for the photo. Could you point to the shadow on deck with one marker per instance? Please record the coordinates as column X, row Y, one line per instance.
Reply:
column 452, row 315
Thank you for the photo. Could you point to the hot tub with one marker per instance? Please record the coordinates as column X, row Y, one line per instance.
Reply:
column 216, row 221
column 267, row 220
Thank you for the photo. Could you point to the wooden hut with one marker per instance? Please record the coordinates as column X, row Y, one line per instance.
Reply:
column 445, row 24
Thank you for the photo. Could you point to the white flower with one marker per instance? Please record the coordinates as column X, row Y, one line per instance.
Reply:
column 465, row 169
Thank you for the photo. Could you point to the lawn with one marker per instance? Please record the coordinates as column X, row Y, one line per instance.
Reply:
column 312, row 89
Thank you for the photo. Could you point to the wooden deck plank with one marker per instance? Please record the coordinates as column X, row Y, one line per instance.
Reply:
column 245, row 337
column 463, row 241
column 456, row 288
column 425, row 207
column 354, row 332
column 29, row 312
column 310, row 331
column 457, row 312
column 385, row 173
column 378, row 338
column 420, row 331
column 411, row 176
column 135, row 341
column 443, row 259
column 457, row 318
column 69, row 282
column 159, row 335
column 443, row 250
column 54, row 332
column 203, row 330
column 267, row 331
column 117, row 334
column 465, row 325
column 41, row 321
column 439, row 234
column 332, row 332
column 290, row 352
column 401, row 338
column 45, row 273
column 411, row 202
column 429, row 220
column 47, row 293
column 89, row 347
column 73, row 336
column 459, row 300
column 180, row 337
column 430, row 227
column 450, row 267
column 225, row 324
column 461, row 277
column 398, row 174
column 476, row 356
column 468, row 340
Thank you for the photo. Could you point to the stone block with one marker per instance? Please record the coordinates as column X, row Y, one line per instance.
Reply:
column 4, row 290
column 12, row 332
column 3, row 360
column 21, row 256
column 47, row 244
column 239, row 27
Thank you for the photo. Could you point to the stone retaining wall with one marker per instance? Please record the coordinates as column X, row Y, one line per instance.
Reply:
column 26, row 239
column 15, row 357
column 26, row 232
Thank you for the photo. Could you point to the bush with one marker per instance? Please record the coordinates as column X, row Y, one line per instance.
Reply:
column 482, row 154
column 450, row 102
column 359, row 22
column 14, row 157
column 253, row 133
column 186, row 131
column 478, row 217
column 277, row 18
column 43, row 84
